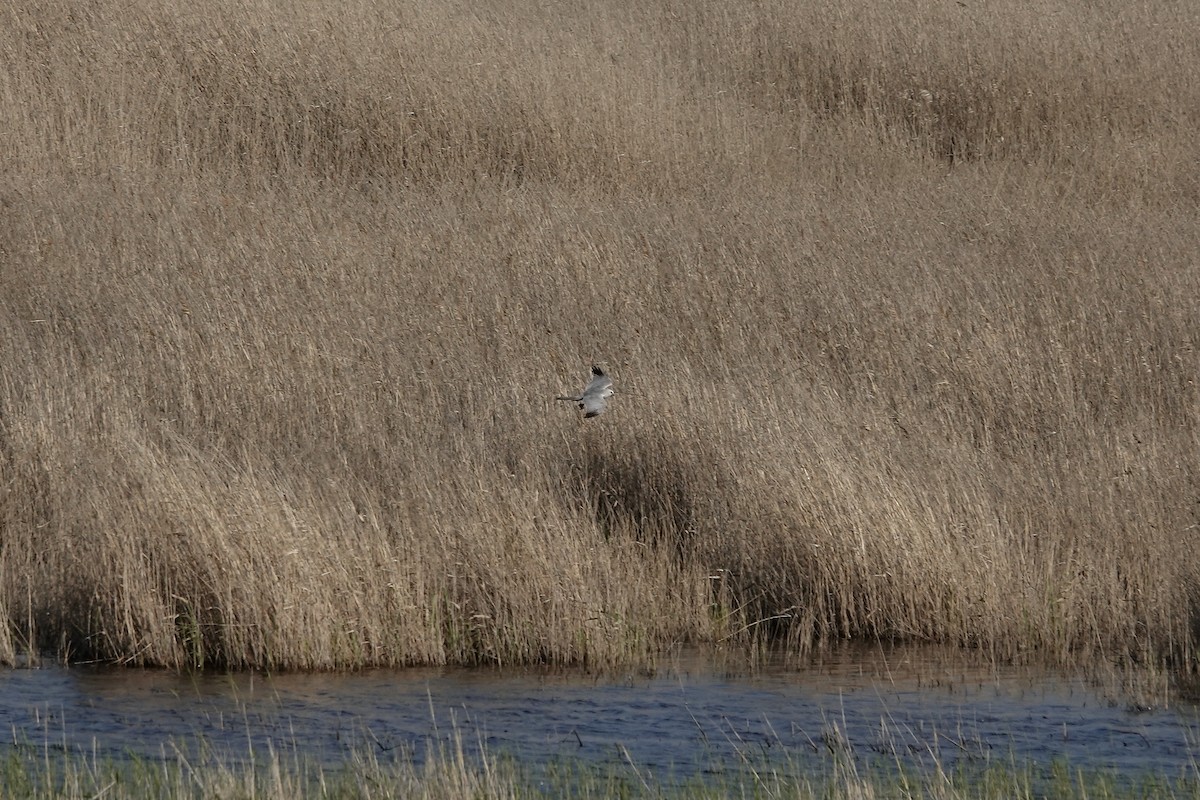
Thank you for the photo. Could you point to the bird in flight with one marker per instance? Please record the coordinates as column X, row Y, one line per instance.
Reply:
column 595, row 394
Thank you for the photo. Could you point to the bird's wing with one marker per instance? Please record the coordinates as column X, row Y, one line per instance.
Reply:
column 598, row 385
column 593, row 404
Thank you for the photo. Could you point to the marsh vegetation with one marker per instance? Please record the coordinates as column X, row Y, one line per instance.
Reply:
column 452, row 774
column 902, row 305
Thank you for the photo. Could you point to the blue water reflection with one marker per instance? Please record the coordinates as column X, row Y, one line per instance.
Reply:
column 871, row 708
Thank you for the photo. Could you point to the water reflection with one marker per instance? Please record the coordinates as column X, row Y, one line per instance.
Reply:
column 872, row 706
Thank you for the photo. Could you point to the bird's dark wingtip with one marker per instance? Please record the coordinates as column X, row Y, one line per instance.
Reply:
column 597, row 371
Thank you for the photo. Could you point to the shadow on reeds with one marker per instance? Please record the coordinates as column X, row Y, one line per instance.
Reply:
column 654, row 487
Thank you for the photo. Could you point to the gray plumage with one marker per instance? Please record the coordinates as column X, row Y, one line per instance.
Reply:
column 595, row 395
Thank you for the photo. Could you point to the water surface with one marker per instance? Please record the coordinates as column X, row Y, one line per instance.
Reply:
column 870, row 707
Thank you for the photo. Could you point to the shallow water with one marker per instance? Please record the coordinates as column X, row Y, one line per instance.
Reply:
column 870, row 707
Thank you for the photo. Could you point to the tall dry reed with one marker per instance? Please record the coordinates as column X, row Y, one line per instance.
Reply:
column 902, row 306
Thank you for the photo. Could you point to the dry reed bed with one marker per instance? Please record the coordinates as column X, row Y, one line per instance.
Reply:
column 905, row 326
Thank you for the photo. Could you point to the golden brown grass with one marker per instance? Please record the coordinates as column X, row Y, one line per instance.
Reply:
column 902, row 305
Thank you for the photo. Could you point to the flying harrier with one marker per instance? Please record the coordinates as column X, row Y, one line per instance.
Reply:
column 595, row 394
